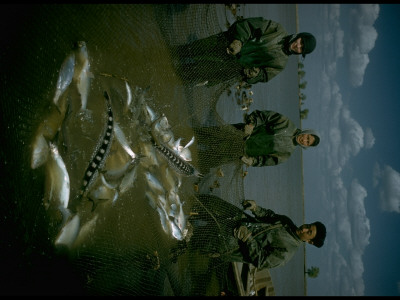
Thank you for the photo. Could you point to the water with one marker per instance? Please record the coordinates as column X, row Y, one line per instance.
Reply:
column 280, row 187
column 129, row 41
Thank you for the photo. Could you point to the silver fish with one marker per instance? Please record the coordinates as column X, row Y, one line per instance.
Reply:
column 120, row 136
column 65, row 76
column 128, row 180
column 150, row 157
column 154, row 183
column 183, row 151
column 152, row 201
column 177, row 162
column 40, row 152
column 82, row 72
column 58, row 176
column 176, row 232
column 68, row 233
column 100, row 154
column 103, row 193
column 86, row 230
column 150, row 115
column 163, row 219
column 128, row 96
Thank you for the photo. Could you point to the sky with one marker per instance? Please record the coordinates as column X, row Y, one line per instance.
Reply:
column 352, row 179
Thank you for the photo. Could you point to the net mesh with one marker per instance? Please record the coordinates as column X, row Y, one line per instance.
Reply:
column 124, row 242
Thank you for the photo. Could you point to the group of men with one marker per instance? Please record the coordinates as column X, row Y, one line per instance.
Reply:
column 254, row 50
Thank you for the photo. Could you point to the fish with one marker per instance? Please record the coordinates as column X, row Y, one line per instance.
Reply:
column 82, row 74
column 150, row 115
column 100, row 154
column 128, row 180
column 58, row 178
column 40, row 152
column 150, row 157
column 120, row 136
column 168, row 223
column 68, row 233
column 128, row 96
column 154, row 183
column 182, row 220
column 183, row 151
column 177, row 163
column 150, row 196
column 170, row 179
column 176, row 232
column 163, row 219
column 86, row 230
column 65, row 76
column 161, row 130
column 103, row 192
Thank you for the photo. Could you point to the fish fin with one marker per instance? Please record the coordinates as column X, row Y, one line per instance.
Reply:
column 94, row 204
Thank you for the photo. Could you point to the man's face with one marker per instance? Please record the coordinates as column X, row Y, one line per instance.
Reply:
column 297, row 46
column 307, row 232
column 305, row 139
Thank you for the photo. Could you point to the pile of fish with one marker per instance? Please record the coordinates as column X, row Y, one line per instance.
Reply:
column 162, row 160
column 167, row 162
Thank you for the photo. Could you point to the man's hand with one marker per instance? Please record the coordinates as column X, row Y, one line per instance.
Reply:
column 249, row 205
column 248, row 129
column 251, row 72
column 234, row 48
column 247, row 160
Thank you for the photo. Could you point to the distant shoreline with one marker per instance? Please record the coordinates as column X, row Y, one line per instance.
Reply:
column 302, row 172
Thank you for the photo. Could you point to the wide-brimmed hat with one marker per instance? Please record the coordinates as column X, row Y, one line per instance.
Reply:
column 309, row 42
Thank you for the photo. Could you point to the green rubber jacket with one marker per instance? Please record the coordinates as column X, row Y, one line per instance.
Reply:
column 273, row 240
column 272, row 140
column 262, row 42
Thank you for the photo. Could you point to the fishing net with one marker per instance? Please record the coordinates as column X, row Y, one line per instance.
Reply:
column 136, row 219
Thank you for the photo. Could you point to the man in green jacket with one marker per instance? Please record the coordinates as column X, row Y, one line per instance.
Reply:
column 251, row 50
column 265, row 240
column 267, row 138
column 271, row 138
column 270, row 240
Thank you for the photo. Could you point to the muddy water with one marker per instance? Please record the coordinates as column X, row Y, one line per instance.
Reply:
column 127, row 251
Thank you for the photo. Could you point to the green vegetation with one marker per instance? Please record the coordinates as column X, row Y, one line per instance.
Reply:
column 312, row 272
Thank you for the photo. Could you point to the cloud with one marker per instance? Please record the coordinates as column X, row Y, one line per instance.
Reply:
column 362, row 40
column 389, row 188
column 369, row 139
column 357, row 212
column 348, row 236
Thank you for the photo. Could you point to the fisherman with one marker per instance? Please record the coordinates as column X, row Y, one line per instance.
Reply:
column 252, row 50
column 267, row 240
column 267, row 138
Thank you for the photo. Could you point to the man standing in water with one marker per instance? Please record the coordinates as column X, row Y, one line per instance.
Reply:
column 271, row 138
column 251, row 50
column 267, row 240
column 267, row 138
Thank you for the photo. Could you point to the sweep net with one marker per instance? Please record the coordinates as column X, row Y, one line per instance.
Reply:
column 102, row 210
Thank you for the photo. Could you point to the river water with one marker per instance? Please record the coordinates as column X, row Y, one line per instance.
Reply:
column 125, row 41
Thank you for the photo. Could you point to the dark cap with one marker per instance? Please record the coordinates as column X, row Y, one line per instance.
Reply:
column 309, row 42
column 316, row 140
column 319, row 239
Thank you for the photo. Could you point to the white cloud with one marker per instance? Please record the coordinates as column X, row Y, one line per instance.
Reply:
column 369, row 139
column 362, row 40
column 389, row 188
column 360, row 222
column 339, row 43
column 347, row 238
